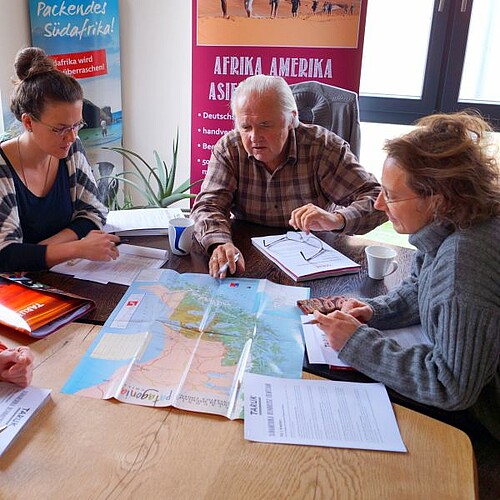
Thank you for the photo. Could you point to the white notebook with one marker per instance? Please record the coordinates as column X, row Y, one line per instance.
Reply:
column 304, row 257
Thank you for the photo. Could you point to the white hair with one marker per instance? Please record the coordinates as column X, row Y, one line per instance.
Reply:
column 261, row 84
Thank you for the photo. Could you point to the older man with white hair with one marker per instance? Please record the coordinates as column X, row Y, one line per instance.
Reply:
column 273, row 170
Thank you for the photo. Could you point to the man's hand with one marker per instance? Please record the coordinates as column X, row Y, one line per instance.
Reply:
column 312, row 218
column 225, row 254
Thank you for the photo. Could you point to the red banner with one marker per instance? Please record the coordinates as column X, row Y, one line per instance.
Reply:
column 82, row 64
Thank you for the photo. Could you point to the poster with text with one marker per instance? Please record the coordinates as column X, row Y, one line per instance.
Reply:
column 83, row 38
column 300, row 40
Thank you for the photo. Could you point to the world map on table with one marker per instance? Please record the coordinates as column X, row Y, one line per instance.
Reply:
column 186, row 340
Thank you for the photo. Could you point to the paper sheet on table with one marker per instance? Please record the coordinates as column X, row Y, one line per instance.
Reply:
column 123, row 270
column 141, row 221
column 320, row 413
column 319, row 350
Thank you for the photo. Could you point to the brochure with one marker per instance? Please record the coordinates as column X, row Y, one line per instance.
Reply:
column 17, row 406
column 36, row 309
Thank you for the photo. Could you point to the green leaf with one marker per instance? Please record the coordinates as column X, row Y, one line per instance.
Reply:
column 162, row 170
column 130, row 155
column 173, row 168
column 175, row 197
column 155, row 182
column 186, row 185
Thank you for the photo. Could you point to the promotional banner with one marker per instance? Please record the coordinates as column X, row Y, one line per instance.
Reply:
column 300, row 40
column 83, row 38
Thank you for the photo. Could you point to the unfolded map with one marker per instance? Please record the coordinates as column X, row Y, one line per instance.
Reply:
column 186, row 340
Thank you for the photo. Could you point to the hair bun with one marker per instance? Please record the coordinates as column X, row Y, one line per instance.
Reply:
column 32, row 61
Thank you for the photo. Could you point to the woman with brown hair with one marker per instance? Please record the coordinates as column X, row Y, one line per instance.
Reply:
column 49, row 210
column 440, row 184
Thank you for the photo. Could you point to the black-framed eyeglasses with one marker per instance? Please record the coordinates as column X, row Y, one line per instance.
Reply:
column 62, row 131
column 300, row 237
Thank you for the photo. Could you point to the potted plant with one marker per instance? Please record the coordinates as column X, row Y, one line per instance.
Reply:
column 155, row 182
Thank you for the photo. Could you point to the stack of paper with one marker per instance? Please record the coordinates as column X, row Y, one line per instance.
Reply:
column 123, row 270
column 17, row 406
column 141, row 221
column 293, row 256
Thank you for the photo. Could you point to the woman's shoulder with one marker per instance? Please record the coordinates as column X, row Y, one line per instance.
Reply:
column 477, row 246
column 485, row 233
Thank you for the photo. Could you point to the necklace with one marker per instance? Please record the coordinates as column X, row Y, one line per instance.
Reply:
column 22, row 168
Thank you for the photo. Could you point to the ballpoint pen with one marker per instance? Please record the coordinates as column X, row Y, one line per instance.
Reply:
column 311, row 322
column 3, row 427
column 225, row 266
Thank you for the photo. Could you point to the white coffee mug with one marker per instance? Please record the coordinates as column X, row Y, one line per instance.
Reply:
column 381, row 261
column 180, row 235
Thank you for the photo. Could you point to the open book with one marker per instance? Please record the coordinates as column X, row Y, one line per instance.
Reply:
column 17, row 406
column 35, row 309
column 141, row 221
column 304, row 257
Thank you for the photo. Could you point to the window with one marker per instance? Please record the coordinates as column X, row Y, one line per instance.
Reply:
column 427, row 56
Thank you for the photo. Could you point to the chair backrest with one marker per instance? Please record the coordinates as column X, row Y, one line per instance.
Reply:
column 331, row 107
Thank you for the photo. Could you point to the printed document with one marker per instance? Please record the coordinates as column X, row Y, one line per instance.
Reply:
column 123, row 270
column 319, row 350
column 17, row 406
column 320, row 413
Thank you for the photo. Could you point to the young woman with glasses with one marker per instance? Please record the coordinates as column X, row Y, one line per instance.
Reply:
column 49, row 210
column 440, row 184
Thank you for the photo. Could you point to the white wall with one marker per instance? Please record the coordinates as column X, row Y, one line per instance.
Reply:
column 155, row 37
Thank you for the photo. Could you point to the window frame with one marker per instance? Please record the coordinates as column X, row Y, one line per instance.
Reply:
column 443, row 73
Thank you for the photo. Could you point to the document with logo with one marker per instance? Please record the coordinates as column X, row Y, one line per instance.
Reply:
column 17, row 406
column 320, row 413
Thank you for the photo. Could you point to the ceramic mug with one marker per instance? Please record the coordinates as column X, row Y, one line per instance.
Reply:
column 381, row 261
column 180, row 235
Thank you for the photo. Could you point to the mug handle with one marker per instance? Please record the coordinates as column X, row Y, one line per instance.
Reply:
column 394, row 266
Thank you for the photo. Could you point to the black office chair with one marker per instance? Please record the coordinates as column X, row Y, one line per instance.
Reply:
column 331, row 107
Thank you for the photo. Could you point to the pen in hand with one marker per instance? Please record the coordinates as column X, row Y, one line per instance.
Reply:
column 225, row 266
column 311, row 322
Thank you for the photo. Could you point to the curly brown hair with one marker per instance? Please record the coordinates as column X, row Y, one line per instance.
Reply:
column 454, row 156
column 40, row 82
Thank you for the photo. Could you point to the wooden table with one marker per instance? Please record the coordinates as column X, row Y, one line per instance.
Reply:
column 78, row 447
column 257, row 266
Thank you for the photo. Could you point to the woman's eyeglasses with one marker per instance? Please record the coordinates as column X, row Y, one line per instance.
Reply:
column 62, row 131
column 299, row 237
column 388, row 200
